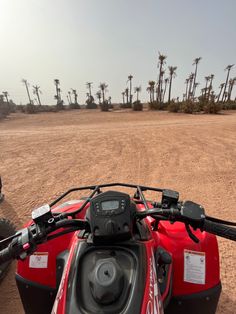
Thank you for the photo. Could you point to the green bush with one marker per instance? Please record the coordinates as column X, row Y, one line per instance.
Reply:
column 91, row 105
column 30, row 109
column 126, row 106
column 137, row 105
column 155, row 105
column 212, row 107
column 74, row 106
column 104, row 106
column 187, row 106
column 230, row 105
column 173, row 106
column 60, row 105
column 6, row 108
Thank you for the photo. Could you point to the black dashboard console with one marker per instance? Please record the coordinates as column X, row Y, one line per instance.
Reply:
column 111, row 216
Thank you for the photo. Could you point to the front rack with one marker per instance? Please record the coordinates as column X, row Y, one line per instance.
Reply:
column 97, row 189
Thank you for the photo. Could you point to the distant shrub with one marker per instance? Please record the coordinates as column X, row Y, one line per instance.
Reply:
column 212, row 107
column 104, row 106
column 91, row 105
column 137, row 105
column 60, row 105
column 30, row 109
column 187, row 106
column 230, row 105
column 46, row 108
column 6, row 108
column 156, row 105
column 126, row 106
column 74, row 106
column 173, row 106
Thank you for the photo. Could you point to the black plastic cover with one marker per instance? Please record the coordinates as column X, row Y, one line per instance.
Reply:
column 204, row 302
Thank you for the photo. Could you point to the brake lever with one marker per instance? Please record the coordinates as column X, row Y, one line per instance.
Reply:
column 191, row 235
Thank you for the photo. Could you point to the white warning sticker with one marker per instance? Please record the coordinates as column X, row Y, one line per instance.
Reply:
column 38, row 260
column 195, row 267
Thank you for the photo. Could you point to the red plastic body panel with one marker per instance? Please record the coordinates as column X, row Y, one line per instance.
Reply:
column 60, row 301
column 47, row 276
column 172, row 237
column 152, row 301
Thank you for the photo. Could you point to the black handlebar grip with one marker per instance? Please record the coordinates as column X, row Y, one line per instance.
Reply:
column 5, row 255
column 220, row 230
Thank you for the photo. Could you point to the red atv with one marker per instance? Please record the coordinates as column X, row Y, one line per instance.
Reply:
column 110, row 253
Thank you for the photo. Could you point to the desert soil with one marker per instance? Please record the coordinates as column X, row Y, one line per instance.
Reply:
column 45, row 154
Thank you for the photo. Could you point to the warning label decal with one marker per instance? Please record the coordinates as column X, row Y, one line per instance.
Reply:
column 195, row 267
column 38, row 260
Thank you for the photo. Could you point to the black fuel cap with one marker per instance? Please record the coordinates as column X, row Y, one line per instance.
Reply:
column 106, row 281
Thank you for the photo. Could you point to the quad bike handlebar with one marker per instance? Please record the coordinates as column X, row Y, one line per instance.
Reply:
column 47, row 225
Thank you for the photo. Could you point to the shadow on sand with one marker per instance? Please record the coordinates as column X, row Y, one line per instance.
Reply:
column 9, row 212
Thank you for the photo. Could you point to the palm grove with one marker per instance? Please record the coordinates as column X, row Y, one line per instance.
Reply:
column 159, row 92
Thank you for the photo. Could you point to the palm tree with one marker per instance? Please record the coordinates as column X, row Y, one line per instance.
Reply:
column 89, row 86
column 99, row 96
column 151, row 90
column 103, row 87
column 194, row 88
column 130, row 77
column 195, row 61
column 166, row 83
column 74, row 92
column 172, row 74
column 36, row 91
column 58, row 91
column 210, row 85
column 123, row 97
column 127, row 95
column 191, row 78
column 69, row 94
column 207, row 78
column 27, row 89
column 186, row 93
column 231, row 85
column 137, row 90
column 221, row 88
column 5, row 94
column 148, row 89
column 161, row 62
column 228, row 68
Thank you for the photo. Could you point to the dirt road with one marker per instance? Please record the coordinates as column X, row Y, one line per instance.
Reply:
column 43, row 155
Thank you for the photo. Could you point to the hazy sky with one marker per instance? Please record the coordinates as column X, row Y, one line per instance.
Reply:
column 105, row 40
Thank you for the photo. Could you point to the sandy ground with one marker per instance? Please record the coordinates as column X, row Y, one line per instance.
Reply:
column 43, row 155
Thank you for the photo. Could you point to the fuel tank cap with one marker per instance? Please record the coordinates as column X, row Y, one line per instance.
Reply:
column 106, row 281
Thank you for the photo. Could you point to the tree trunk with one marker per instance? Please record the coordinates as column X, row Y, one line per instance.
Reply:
column 39, row 99
column 195, row 76
column 170, row 89
column 159, row 83
column 130, row 91
column 164, row 92
column 220, row 94
column 190, row 88
column 226, row 82
column 186, row 94
column 30, row 101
